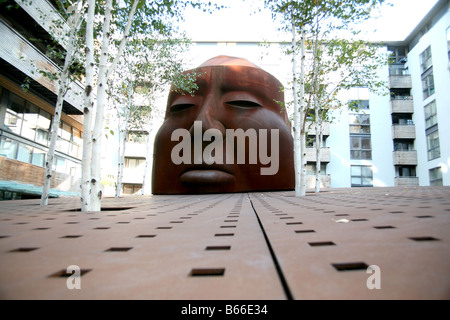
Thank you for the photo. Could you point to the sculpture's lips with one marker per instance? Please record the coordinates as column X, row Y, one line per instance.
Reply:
column 206, row 175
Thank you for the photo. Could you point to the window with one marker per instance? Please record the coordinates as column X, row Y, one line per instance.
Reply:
column 33, row 123
column 30, row 118
column 403, row 145
column 131, row 188
column 8, row 148
column 359, row 105
column 359, row 123
column 137, row 137
column 43, row 127
column 402, row 119
column 428, row 83
column 133, row 163
column 361, row 176
column 360, row 148
column 38, row 157
column 406, row 171
column 360, row 144
column 22, row 152
column 433, row 144
column 14, row 113
column 435, row 176
column 430, row 115
column 425, row 60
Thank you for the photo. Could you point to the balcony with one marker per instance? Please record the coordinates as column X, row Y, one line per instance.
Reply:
column 400, row 81
column 400, row 131
column 406, row 181
column 405, row 157
column 402, row 105
column 20, row 53
column 324, row 154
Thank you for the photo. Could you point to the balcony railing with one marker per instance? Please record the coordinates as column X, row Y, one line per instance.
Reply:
column 324, row 154
column 400, row 81
column 399, row 105
column 398, row 71
column 405, row 157
column 406, row 181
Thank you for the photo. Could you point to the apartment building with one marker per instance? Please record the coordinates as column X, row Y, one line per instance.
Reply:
column 393, row 140
column 27, row 102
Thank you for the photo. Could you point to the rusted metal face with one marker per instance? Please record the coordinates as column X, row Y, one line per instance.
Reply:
column 231, row 136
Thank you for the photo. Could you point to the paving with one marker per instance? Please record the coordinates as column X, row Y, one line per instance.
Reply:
column 360, row 243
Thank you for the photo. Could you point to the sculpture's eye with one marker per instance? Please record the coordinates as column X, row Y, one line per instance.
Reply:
column 244, row 104
column 180, row 107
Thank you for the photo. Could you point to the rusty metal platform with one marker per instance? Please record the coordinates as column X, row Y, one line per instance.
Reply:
column 253, row 246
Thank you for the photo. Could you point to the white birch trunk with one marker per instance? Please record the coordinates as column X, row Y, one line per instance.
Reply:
column 147, row 161
column 318, row 127
column 96, row 188
column 73, row 22
column 54, row 135
column 318, row 117
column 296, row 128
column 88, row 111
column 302, row 187
column 104, row 73
column 121, row 165
column 123, row 132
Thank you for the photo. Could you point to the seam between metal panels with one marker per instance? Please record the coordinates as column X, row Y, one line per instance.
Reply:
column 283, row 281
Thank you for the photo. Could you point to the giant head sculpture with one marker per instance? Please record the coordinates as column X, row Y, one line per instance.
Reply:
column 230, row 136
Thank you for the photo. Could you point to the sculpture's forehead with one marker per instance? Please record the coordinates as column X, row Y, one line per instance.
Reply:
column 237, row 77
column 228, row 61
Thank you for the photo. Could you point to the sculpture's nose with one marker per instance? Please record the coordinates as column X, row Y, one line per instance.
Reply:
column 208, row 116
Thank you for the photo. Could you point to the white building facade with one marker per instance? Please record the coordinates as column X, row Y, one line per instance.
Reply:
column 393, row 140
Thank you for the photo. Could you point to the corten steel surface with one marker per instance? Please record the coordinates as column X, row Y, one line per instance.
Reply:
column 233, row 94
column 260, row 245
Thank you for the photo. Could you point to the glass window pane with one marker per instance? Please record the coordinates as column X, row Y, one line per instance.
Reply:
column 77, row 136
column 127, row 189
column 42, row 136
column 8, row 148
column 365, row 144
column 15, row 104
column 356, row 170
column 366, row 171
column 44, row 120
column 60, row 164
column 13, row 123
column 355, row 142
column 66, row 131
column 38, row 157
column 366, row 155
column 24, row 153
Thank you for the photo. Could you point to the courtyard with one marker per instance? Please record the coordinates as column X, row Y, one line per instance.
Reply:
column 237, row 246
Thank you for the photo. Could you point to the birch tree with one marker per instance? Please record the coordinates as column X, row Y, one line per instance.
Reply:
column 313, row 19
column 74, row 15
column 130, row 17
column 88, row 108
column 147, row 69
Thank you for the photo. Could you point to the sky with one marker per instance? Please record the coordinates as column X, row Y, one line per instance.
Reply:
column 242, row 22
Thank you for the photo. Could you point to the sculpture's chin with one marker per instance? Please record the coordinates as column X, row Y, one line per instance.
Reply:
column 207, row 177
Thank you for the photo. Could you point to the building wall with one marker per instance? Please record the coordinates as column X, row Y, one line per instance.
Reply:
column 26, row 115
column 27, row 173
column 436, row 37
